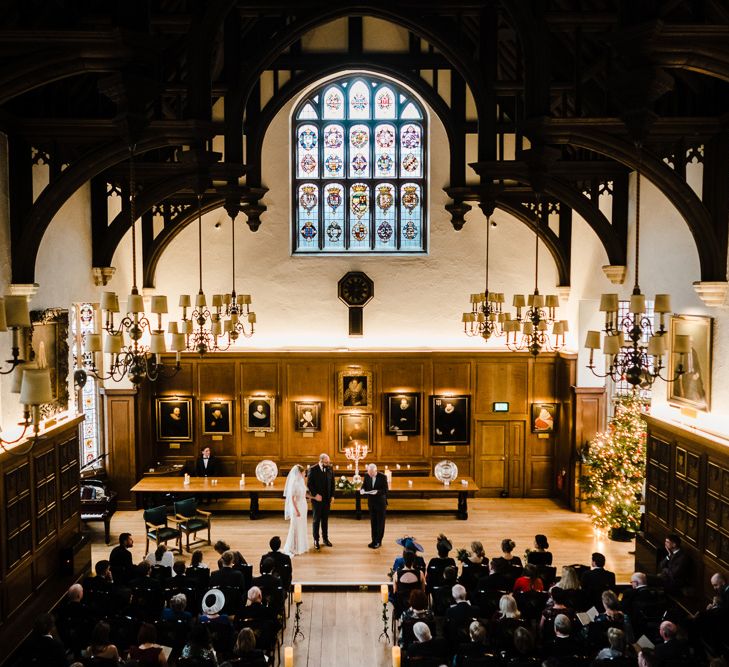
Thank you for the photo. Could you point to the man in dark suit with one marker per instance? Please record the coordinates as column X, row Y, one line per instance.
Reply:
column 282, row 562
column 43, row 648
column 121, row 561
column 424, row 645
column 672, row 648
column 206, row 464
column 597, row 580
column 227, row 575
column 674, row 569
column 375, row 488
column 459, row 616
column 320, row 482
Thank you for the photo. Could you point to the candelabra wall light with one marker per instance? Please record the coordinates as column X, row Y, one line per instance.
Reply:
column 529, row 330
column 634, row 349
column 486, row 317
column 129, row 356
column 14, row 315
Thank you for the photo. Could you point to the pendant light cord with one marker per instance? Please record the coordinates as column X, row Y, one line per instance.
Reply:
column 133, row 216
column 488, row 231
column 636, row 287
column 536, row 248
column 199, row 237
column 232, row 228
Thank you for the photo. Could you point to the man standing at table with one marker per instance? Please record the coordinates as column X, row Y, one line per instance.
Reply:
column 375, row 488
column 320, row 483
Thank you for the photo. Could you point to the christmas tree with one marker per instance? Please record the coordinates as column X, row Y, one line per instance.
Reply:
column 615, row 469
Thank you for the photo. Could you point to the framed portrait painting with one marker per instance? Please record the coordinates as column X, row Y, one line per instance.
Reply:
column 307, row 416
column 174, row 419
column 216, row 417
column 402, row 414
column 692, row 389
column 354, row 389
column 450, row 420
column 355, row 427
column 544, row 417
column 260, row 413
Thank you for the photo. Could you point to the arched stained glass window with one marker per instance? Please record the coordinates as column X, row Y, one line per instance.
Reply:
column 359, row 169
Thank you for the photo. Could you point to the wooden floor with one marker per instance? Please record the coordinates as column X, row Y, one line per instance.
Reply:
column 342, row 627
column 571, row 537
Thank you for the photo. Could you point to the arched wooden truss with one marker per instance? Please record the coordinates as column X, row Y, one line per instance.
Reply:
column 554, row 77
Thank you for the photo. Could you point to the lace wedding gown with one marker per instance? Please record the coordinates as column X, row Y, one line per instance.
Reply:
column 297, row 541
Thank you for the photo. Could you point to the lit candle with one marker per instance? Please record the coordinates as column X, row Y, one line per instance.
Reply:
column 408, row 466
column 384, row 592
column 396, row 656
column 243, row 478
column 289, row 656
column 397, row 466
column 297, row 593
column 410, row 482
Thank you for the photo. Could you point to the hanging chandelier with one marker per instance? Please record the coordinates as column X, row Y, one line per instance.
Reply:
column 633, row 350
column 237, row 307
column 128, row 355
column 529, row 330
column 204, row 328
column 486, row 317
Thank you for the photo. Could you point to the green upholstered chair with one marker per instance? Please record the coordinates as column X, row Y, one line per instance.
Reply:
column 190, row 519
column 157, row 530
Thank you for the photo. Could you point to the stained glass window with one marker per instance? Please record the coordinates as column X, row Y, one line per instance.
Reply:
column 360, row 165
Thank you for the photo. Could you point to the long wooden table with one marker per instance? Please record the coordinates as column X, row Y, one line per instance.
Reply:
column 422, row 487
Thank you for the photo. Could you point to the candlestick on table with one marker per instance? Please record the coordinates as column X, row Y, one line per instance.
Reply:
column 356, row 452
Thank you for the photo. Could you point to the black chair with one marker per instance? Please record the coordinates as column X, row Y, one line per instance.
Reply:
column 222, row 637
column 247, row 571
column 190, row 519
column 268, row 638
column 407, row 634
column 234, row 599
column 173, row 633
column 201, row 575
column 147, row 603
column 487, row 601
column 194, row 662
column 101, row 602
column 441, row 598
column 124, row 630
column 548, row 575
column 160, row 572
column 192, row 593
column 157, row 530
column 531, row 604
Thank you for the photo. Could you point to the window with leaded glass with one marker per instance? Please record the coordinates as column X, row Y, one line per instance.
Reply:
column 359, row 152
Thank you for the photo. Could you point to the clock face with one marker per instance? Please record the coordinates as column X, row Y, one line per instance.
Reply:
column 356, row 289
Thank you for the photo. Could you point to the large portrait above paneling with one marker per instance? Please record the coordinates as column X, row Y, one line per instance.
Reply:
column 693, row 388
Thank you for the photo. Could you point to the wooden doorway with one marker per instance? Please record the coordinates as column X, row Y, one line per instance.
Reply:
column 499, row 458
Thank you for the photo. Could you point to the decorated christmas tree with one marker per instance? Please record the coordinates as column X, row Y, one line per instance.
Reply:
column 614, row 469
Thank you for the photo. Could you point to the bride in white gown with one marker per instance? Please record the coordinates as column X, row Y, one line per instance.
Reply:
column 295, row 510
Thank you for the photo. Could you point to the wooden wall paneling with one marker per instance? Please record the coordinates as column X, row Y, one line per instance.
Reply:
column 183, row 383
column 217, row 380
column 588, row 415
column 516, row 458
column 407, row 376
column 492, row 457
column 451, row 377
column 501, row 380
column 260, row 377
column 539, row 465
column 545, row 380
column 307, row 380
column 120, row 437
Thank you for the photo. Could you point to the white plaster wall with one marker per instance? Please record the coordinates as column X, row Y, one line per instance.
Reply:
column 7, row 411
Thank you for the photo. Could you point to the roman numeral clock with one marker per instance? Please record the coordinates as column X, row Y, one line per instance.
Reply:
column 355, row 290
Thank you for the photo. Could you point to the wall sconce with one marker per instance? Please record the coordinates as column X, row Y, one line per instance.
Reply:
column 14, row 315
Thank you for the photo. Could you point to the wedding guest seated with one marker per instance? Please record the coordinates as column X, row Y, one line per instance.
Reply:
column 255, row 610
column 177, row 610
column 281, row 562
column 473, row 566
column 613, row 616
column 147, row 652
column 161, row 557
column 416, row 611
column 499, row 577
column 227, row 575
column 74, row 620
column 196, row 561
column 529, row 581
column 424, row 645
column 212, row 608
column 523, row 653
column 409, row 544
column 675, row 569
column 143, row 578
column 616, row 646
column 459, row 616
column 569, row 582
column 673, row 648
column 199, row 646
column 558, row 607
column 437, row 564
column 477, row 648
column 121, row 560
column 507, row 548
column 597, row 580
column 101, row 646
column 540, row 555
column 267, row 581
column 443, row 594
column 505, row 622
column 563, row 644
column 43, row 647
column 223, row 547
column 408, row 576
column 245, row 650
column 102, row 580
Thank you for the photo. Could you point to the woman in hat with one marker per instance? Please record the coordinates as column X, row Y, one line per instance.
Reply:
column 212, row 606
column 409, row 544
column 439, row 563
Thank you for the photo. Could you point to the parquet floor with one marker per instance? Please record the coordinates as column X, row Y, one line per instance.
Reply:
column 341, row 628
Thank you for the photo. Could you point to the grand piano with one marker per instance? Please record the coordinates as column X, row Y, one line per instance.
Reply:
column 98, row 501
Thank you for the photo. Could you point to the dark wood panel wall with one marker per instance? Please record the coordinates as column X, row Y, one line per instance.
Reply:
column 41, row 496
column 515, row 378
column 687, row 492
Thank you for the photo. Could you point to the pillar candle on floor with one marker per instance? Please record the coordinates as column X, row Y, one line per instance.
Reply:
column 289, row 656
column 297, row 593
column 395, row 656
column 384, row 593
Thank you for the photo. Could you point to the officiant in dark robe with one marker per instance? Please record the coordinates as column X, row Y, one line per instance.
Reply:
column 374, row 486
column 320, row 482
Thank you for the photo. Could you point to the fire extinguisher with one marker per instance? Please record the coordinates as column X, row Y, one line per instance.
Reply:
column 561, row 477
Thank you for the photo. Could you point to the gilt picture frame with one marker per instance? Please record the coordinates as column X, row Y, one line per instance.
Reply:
column 693, row 388
column 259, row 413
column 450, row 420
column 216, row 417
column 355, row 427
column 544, row 417
column 307, row 416
column 402, row 413
column 354, row 389
column 173, row 415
